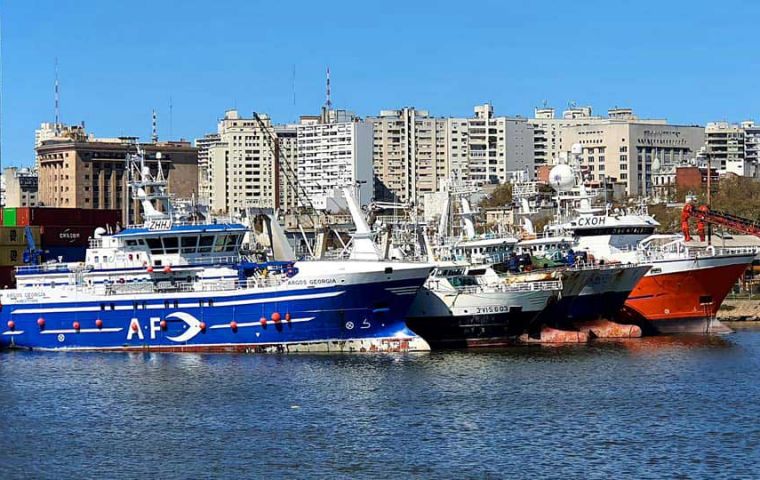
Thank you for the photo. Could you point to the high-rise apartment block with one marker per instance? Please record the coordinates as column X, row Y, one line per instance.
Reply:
column 204, row 180
column 331, row 155
column 243, row 167
column 487, row 149
column 548, row 142
column 410, row 154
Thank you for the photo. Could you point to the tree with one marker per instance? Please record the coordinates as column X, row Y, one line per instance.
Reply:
column 500, row 197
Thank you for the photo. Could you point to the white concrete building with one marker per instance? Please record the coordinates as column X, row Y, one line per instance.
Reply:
column 487, row 149
column 624, row 149
column 331, row 156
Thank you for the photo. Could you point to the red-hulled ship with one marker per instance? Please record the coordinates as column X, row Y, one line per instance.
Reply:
column 683, row 295
column 683, row 289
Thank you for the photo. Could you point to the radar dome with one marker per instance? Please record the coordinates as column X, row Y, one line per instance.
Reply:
column 561, row 177
column 99, row 232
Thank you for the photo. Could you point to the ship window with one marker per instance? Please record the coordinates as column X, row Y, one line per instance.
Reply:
column 131, row 243
column 155, row 245
column 230, row 243
column 205, row 243
column 171, row 244
column 188, row 244
column 219, row 244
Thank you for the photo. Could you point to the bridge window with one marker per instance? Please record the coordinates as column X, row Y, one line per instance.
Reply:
column 189, row 244
column 205, row 243
column 230, row 243
column 131, row 243
column 155, row 245
column 219, row 243
column 171, row 244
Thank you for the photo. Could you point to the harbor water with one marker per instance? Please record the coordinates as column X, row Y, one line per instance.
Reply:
column 659, row 407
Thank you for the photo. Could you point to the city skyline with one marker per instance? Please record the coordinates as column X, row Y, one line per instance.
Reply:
column 245, row 56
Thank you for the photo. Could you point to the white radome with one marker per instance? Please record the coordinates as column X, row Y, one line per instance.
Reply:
column 561, row 177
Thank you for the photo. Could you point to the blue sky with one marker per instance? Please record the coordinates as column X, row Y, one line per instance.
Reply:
column 688, row 61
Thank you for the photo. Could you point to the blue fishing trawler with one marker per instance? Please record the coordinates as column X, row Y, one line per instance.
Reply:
column 182, row 285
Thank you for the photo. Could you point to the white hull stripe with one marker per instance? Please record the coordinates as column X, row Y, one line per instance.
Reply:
column 82, row 330
column 361, row 341
column 19, row 332
column 258, row 324
column 229, row 303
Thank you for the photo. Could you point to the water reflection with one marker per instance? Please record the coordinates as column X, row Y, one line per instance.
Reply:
column 656, row 407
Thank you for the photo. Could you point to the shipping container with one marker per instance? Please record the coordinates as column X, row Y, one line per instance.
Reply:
column 73, row 216
column 22, row 216
column 66, row 236
column 7, row 277
column 9, row 216
column 15, row 236
column 65, row 254
column 11, row 255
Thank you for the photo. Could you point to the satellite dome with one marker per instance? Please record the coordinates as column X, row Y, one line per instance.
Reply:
column 576, row 149
column 99, row 232
column 561, row 177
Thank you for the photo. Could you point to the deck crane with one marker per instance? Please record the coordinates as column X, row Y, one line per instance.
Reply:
column 703, row 214
column 283, row 168
column 32, row 254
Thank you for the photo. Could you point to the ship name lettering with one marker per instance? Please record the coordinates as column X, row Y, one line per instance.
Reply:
column 590, row 221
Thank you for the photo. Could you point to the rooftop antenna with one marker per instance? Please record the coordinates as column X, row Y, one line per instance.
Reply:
column 154, row 135
column 57, row 102
column 328, row 102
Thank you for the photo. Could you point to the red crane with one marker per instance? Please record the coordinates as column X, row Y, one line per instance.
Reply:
column 704, row 215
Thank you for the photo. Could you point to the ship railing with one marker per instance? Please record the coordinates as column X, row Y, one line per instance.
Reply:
column 96, row 243
column 527, row 286
column 45, row 268
column 214, row 260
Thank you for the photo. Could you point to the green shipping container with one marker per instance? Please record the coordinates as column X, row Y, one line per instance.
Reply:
column 9, row 217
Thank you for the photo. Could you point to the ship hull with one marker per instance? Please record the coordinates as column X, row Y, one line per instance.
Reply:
column 329, row 314
column 683, row 296
column 591, row 294
column 471, row 320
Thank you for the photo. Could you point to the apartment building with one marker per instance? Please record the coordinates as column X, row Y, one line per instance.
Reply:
column 548, row 142
column 409, row 154
column 489, row 150
column 77, row 170
column 204, row 180
column 734, row 148
column 331, row 155
column 243, row 170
